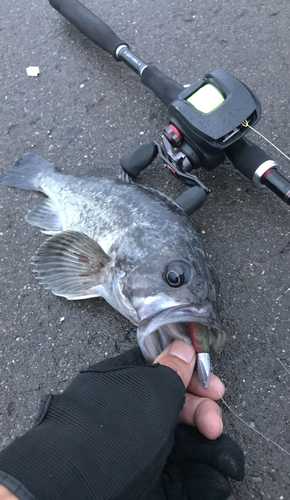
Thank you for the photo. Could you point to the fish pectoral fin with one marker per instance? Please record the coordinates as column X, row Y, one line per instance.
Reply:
column 46, row 217
column 71, row 264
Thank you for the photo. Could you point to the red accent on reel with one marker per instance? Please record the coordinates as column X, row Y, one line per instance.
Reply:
column 173, row 135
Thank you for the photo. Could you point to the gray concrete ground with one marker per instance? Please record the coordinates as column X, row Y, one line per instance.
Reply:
column 83, row 112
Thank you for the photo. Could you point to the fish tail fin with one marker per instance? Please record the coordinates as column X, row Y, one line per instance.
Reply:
column 26, row 173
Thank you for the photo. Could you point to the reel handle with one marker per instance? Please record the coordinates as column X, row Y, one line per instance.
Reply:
column 138, row 159
column 89, row 24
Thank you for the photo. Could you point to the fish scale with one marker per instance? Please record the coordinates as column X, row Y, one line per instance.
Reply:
column 116, row 204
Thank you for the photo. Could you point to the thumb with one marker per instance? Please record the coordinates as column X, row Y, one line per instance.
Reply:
column 181, row 357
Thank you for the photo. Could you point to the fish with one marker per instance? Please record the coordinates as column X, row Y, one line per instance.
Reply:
column 130, row 244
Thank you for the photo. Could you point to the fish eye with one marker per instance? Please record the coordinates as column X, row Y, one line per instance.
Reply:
column 176, row 274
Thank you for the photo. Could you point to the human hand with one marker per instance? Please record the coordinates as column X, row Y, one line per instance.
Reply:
column 199, row 409
column 111, row 435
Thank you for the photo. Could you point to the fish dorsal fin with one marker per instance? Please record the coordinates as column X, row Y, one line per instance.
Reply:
column 71, row 264
column 46, row 217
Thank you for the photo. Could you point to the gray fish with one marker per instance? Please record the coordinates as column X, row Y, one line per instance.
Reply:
column 131, row 245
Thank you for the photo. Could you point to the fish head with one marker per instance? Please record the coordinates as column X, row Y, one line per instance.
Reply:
column 165, row 293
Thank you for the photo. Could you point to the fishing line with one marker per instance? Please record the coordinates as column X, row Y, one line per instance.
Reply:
column 283, row 366
column 253, row 429
column 246, row 124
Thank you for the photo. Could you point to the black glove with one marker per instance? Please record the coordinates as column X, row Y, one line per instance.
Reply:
column 112, row 435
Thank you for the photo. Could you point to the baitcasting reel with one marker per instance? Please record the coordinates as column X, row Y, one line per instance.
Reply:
column 207, row 120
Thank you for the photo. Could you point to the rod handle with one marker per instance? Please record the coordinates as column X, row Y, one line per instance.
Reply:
column 166, row 89
column 89, row 24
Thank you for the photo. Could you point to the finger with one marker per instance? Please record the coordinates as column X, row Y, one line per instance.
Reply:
column 215, row 389
column 202, row 413
column 181, row 357
column 6, row 494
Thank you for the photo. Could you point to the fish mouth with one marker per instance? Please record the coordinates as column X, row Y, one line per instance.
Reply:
column 157, row 332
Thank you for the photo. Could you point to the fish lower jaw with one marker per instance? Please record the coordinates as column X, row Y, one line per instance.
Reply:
column 152, row 343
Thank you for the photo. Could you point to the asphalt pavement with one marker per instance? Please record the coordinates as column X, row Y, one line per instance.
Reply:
column 83, row 112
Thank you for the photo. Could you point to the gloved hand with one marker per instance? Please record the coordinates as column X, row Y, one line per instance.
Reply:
column 113, row 435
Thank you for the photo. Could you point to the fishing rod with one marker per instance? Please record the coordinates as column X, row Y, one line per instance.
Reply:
column 208, row 120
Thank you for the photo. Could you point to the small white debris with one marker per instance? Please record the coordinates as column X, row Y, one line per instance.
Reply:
column 32, row 71
column 62, row 319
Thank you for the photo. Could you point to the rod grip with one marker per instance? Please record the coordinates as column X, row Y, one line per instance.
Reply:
column 278, row 184
column 89, row 24
column 246, row 157
column 166, row 89
column 255, row 164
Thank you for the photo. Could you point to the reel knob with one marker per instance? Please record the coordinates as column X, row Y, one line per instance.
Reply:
column 137, row 160
column 191, row 199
